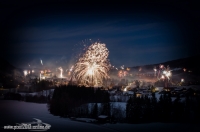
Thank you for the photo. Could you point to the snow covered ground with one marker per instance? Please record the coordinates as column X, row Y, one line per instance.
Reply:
column 195, row 87
column 157, row 95
column 114, row 105
column 12, row 112
column 85, row 119
column 154, row 127
column 44, row 93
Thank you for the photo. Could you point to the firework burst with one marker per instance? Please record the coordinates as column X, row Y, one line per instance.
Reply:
column 164, row 73
column 122, row 73
column 93, row 66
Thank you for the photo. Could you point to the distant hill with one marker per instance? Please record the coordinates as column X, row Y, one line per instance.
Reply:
column 177, row 67
column 8, row 74
column 6, row 67
column 190, row 63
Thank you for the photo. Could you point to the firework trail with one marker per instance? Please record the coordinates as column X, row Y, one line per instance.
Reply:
column 40, row 76
column 71, row 68
column 61, row 71
column 93, row 66
column 41, row 62
column 161, row 67
column 122, row 67
column 155, row 70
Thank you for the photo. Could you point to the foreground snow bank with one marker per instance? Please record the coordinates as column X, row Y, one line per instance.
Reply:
column 13, row 112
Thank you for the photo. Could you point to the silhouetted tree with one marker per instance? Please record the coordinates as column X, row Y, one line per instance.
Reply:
column 178, row 109
column 95, row 111
column 106, row 105
column 129, row 110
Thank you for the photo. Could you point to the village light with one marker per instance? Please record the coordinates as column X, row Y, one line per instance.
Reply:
column 125, row 89
column 25, row 72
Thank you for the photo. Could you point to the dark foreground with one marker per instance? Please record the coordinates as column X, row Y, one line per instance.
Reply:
column 12, row 112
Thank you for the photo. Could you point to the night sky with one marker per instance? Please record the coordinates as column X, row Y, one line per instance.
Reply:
column 134, row 33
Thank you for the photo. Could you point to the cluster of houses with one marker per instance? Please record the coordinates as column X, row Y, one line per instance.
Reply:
column 122, row 95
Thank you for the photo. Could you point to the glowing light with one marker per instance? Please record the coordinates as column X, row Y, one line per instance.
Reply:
column 25, row 72
column 70, row 70
column 164, row 72
column 69, row 73
column 61, row 71
column 122, row 73
column 125, row 89
column 93, row 66
column 155, row 70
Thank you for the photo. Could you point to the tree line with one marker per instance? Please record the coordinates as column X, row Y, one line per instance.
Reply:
column 144, row 109
column 70, row 100
column 73, row 101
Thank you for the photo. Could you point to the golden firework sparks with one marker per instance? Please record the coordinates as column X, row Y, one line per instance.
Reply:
column 93, row 66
